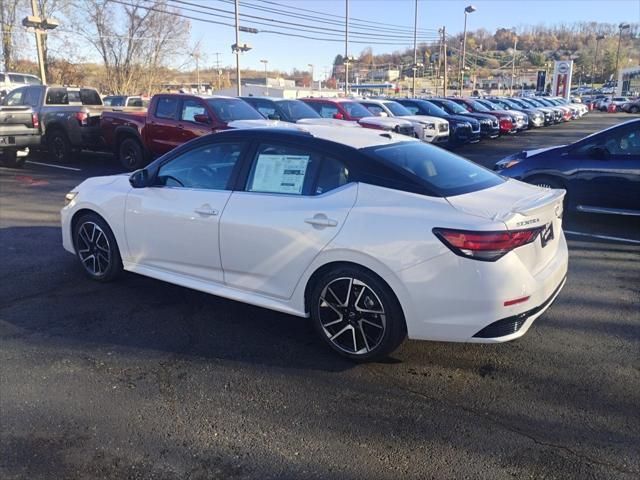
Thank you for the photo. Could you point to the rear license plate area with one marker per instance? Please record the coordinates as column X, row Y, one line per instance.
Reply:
column 546, row 235
column 7, row 140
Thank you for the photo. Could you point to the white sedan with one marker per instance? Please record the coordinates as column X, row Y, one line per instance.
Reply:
column 374, row 235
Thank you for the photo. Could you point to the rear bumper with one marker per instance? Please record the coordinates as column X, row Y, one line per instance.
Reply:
column 464, row 299
column 19, row 142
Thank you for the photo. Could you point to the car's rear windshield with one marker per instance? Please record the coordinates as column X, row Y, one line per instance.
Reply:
column 64, row 96
column 296, row 110
column 230, row 109
column 443, row 173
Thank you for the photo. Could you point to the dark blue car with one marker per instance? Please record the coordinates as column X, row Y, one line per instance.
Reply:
column 462, row 129
column 601, row 172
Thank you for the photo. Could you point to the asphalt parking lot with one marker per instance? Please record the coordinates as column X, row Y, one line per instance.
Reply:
column 142, row 379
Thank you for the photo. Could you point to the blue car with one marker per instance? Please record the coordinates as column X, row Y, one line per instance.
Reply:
column 601, row 172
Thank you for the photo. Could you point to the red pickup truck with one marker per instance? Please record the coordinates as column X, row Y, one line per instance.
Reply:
column 170, row 120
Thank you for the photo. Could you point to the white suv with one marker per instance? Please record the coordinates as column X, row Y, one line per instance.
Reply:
column 11, row 80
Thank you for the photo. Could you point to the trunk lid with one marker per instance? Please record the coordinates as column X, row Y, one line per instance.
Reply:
column 520, row 206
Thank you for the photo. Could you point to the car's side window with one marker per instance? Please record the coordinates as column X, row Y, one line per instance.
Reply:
column 267, row 109
column 15, row 98
column 328, row 111
column 413, row 109
column 206, row 167
column 167, row 107
column 333, row 174
column 191, row 108
column 282, row 169
column 625, row 143
column 375, row 109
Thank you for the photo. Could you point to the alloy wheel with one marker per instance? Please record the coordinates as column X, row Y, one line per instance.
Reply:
column 93, row 248
column 351, row 315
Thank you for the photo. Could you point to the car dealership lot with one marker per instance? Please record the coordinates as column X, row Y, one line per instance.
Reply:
column 140, row 378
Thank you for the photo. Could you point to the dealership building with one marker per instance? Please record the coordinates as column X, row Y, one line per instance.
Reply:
column 628, row 80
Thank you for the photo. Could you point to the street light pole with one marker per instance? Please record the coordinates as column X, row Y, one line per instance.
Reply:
column 444, row 50
column 311, row 66
column 34, row 11
column 622, row 26
column 513, row 64
column 237, row 52
column 266, row 79
column 346, row 48
column 595, row 61
column 469, row 9
column 415, row 49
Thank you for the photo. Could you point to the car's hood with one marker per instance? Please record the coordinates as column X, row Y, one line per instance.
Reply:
column 524, row 154
column 327, row 121
column 384, row 122
column 258, row 123
column 479, row 116
column 424, row 119
column 461, row 118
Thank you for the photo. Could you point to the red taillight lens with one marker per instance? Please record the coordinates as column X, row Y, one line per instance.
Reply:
column 487, row 246
column 35, row 120
column 82, row 118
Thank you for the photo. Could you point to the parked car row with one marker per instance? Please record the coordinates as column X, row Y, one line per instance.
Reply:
column 70, row 119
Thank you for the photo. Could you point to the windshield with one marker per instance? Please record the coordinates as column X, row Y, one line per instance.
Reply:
column 444, row 173
column 510, row 103
column 488, row 104
column 397, row 109
column 355, row 110
column 452, row 107
column 479, row 106
column 295, row 110
column 230, row 109
column 435, row 109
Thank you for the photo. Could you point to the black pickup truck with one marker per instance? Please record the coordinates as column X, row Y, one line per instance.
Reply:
column 19, row 130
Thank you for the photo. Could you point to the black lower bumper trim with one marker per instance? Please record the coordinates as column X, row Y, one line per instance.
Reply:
column 510, row 325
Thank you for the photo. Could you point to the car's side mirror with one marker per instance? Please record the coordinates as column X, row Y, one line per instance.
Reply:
column 201, row 118
column 599, row 153
column 273, row 116
column 139, row 178
column 338, row 116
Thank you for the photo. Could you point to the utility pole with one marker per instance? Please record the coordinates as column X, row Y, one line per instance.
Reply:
column 346, row 48
column 415, row 49
column 38, row 32
column 217, row 54
column 266, row 78
column 444, row 47
column 237, row 52
column 622, row 26
column 595, row 61
column 513, row 65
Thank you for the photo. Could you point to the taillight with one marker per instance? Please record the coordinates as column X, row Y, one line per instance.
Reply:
column 486, row 246
column 35, row 120
column 82, row 118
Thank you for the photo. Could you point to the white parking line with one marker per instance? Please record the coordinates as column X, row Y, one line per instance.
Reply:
column 54, row 166
column 603, row 237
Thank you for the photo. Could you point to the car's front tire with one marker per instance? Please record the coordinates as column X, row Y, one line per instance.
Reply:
column 96, row 248
column 356, row 313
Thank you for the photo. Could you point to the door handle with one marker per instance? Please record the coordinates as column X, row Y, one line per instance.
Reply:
column 320, row 220
column 206, row 211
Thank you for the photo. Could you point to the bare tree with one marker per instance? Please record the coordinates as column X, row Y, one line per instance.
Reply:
column 10, row 11
column 134, row 40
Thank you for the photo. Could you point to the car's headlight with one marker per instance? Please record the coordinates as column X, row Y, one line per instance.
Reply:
column 430, row 126
column 68, row 198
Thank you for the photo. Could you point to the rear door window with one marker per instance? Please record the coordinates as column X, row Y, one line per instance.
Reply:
column 167, row 107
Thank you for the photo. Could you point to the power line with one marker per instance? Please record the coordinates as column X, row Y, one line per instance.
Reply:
column 274, row 32
column 258, row 20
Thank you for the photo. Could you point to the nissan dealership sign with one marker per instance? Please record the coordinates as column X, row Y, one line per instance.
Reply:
column 561, row 83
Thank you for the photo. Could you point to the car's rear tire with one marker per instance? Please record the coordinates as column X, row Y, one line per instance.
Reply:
column 634, row 109
column 356, row 313
column 59, row 146
column 96, row 248
column 131, row 154
column 9, row 158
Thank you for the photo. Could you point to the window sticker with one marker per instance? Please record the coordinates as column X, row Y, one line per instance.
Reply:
column 280, row 173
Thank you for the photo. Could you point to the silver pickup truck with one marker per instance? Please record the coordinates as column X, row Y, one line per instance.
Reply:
column 69, row 118
column 19, row 130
